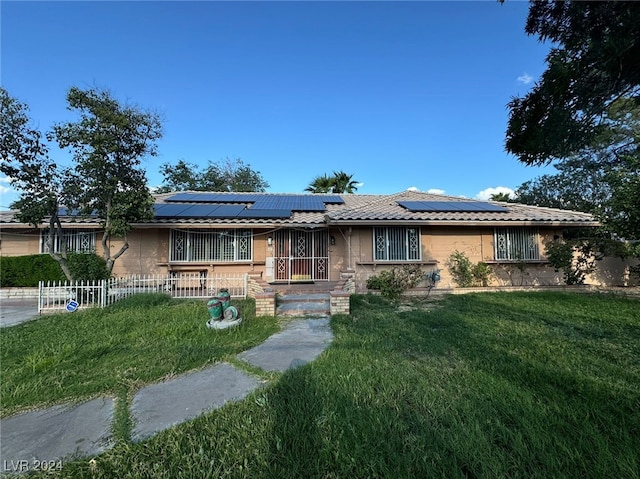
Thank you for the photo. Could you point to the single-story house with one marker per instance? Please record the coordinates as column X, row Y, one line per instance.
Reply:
column 289, row 238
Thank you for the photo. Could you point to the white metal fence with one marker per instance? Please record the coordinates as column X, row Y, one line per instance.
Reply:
column 65, row 295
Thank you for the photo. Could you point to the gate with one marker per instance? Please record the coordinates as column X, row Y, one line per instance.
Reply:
column 301, row 255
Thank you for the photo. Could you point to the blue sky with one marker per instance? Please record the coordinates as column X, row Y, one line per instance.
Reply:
column 398, row 94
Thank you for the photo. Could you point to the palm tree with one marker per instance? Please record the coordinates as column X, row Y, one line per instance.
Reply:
column 340, row 182
column 320, row 184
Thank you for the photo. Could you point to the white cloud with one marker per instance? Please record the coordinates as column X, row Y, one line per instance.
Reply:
column 487, row 193
column 525, row 78
column 4, row 180
column 435, row 191
column 413, row 188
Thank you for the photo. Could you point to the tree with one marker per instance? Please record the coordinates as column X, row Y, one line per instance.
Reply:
column 320, row 184
column 343, row 183
column 505, row 197
column 226, row 176
column 602, row 178
column 339, row 182
column 595, row 60
column 26, row 161
column 108, row 142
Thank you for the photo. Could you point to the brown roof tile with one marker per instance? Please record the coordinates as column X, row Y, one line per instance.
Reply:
column 368, row 209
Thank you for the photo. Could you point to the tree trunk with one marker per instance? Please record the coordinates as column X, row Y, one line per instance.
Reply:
column 56, row 228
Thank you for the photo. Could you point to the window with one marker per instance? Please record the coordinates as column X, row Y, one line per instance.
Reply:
column 516, row 244
column 78, row 241
column 211, row 245
column 396, row 244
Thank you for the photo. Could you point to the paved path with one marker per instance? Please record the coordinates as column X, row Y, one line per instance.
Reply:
column 62, row 432
column 15, row 311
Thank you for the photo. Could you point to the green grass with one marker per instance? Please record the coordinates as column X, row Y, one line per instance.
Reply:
column 497, row 385
column 116, row 350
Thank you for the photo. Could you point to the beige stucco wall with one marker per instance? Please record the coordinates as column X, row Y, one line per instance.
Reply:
column 353, row 249
column 19, row 242
column 438, row 243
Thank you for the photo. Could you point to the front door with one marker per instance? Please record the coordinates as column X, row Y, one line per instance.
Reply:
column 301, row 255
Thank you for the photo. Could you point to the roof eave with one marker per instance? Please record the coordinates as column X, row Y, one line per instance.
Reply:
column 552, row 223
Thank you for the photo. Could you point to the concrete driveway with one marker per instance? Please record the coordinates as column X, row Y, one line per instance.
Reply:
column 16, row 311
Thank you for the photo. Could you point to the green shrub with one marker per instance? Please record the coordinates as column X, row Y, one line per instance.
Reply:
column 575, row 258
column 461, row 269
column 482, row 273
column 465, row 273
column 392, row 283
column 27, row 271
column 88, row 266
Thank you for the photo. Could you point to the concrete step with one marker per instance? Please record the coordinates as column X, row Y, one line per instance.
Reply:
column 312, row 304
column 303, row 298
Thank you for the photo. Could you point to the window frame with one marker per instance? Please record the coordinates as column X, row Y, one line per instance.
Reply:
column 386, row 241
column 211, row 246
column 516, row 238
column 74, row 238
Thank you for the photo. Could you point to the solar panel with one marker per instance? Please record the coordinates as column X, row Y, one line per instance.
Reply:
column 226, row 211
column 205, row 197
column 211, row 211
column 331, row 199
column 451, row 206
column 182, row 197
column 290, row 202
column 256, row 213
column 261, row 201
column 169, row 211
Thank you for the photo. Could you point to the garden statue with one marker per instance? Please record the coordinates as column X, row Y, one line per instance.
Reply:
column 223, row 315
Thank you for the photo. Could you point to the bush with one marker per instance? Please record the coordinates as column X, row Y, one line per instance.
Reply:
column 461, row 269
column 481, row 273
column 576, row 259
column 27, row 271
column 88, row 266
column 465, row 273
column 392, row 283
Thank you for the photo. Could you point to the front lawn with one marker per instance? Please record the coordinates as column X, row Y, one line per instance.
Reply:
column 493, row 385
column 74, row 356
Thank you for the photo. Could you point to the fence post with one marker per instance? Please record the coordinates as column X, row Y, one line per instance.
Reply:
column 40, row 291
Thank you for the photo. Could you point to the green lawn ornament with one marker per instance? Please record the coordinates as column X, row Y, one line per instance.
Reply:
column 223, row 315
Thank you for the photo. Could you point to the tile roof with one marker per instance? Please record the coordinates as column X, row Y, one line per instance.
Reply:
column 371, row 209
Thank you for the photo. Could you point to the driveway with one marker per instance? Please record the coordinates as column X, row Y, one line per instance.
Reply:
column 15, row 311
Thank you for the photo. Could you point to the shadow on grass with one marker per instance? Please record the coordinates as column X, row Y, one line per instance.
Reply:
column 486, row 386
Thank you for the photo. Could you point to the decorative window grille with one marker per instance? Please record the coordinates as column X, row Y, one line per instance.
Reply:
column 77, row 241
column 516, row 244
column 211, row 245
column 396, row 244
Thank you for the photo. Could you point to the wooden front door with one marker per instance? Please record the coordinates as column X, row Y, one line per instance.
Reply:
column 301, row 255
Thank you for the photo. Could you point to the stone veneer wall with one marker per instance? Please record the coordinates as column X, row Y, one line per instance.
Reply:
column 266, row 304
column 265, row 297
column 340, row 302
column 340, row 297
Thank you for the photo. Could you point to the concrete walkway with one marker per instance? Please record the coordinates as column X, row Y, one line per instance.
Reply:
column 63, row 432
column 18, row 310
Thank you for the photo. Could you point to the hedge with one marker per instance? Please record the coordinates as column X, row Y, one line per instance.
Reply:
column 26, row 271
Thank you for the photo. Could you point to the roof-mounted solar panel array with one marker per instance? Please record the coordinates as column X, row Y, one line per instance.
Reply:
column 264, row 205
column 187, row 210
column 256, row 213
column 451, row 206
